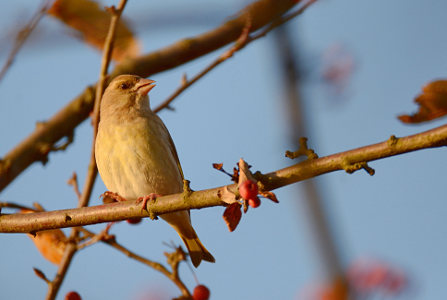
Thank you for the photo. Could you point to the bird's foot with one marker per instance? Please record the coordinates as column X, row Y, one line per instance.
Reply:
column 145, row 199
column 107, row 196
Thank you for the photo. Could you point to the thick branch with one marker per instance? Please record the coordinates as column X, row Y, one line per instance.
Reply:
column 309, row 168
column 37, row 145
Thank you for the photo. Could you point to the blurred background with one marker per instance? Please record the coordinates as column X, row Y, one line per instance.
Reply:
column 359, row 65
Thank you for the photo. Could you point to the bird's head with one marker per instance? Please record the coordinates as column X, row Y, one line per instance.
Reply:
column 126, row 92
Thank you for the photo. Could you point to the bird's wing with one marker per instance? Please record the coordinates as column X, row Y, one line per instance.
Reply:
column 171, row 144
column 174, row 152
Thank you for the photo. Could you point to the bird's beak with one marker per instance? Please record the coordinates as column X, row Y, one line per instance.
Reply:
column 144, row 86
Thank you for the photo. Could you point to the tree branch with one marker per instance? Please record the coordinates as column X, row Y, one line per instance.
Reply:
column 172, row 275
column 241, row 42
column 71, row 247
column 23, row 35
column 38, row 144
column 207, row 198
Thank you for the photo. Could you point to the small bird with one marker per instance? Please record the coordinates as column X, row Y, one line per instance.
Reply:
column 136, row 156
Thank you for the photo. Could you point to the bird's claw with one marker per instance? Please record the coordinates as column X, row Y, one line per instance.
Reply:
column 145, row 199
column 113, row 196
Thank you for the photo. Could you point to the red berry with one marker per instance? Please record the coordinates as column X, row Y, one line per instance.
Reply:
column 248, row 189
column 134, row 221
column 201, row 292
column 72, row 296
column 255, row 202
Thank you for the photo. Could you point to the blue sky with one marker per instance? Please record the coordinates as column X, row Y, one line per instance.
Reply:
column 398, row 215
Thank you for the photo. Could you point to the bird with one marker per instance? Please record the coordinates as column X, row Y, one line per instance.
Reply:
column 136, row 156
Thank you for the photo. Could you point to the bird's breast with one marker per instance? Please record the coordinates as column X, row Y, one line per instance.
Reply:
column 135, row 159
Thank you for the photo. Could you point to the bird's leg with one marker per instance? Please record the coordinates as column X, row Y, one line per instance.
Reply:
column 145, row 199
column 113, row 196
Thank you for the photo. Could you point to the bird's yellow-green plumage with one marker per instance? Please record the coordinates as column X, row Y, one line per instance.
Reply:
column 136, row 156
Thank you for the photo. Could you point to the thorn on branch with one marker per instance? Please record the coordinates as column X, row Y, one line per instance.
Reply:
column 186, row 188
column 43, row 151
column 45, row 148
column 5, row 166
column 303, row 150
column 174, row 259
column 64, row 145
column 41, row 275
column 111, row 9
column 73, row 181
column 393, row 140
column 351, row 168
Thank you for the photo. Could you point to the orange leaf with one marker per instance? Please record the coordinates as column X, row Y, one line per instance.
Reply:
column 92, row 22
column 432, row 103
column 50, row 243
column 232, row 215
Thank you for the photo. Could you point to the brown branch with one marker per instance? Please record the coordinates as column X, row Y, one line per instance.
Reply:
column 23, row 35
column 207, row 198
column 327, row 249
column 39, row 143
column 110, row 240
column 243, row 40
column 172, row 275
column 71, row 247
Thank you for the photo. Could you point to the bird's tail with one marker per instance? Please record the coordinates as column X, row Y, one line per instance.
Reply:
column 197, row 251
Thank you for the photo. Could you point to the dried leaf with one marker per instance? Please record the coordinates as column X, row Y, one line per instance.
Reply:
column 218, row 166
column 244, row 172
column 227, row 196
column 232, row 215
column 92, row 23
column 432, row 103
column 269, row 195
column 50, row 243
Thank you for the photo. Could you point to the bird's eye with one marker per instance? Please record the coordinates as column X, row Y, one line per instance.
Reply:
column 124, row 86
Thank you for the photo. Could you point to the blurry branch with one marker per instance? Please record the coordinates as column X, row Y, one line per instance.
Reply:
column 349, row 161
column 241, row 42
column 173, row 258
column 23, row 35
column 38, row 144
column 327, row 248
column 71, row 248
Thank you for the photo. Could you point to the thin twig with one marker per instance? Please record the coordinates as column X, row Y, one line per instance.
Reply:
column 73, row 181
column 23, row 35
column 172, row 275
column 15, row 205
column 243, row 40
column 92, row 172
column 240, row 43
